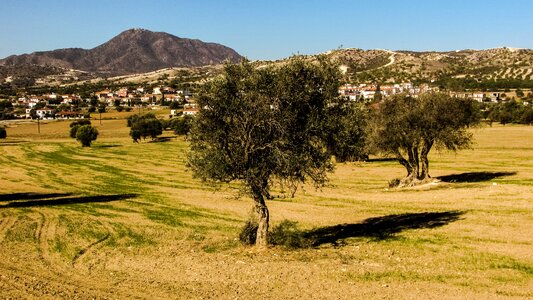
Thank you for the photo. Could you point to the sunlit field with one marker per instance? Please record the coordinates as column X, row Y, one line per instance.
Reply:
column 123, row 220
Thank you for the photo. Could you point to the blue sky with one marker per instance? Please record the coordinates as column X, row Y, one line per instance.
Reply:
column 271, row 29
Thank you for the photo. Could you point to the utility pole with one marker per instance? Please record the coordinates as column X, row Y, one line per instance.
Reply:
column 38, row 125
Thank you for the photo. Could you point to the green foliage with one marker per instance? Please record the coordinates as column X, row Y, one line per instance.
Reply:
column 86, row 134
column 344, row 130
column 3, row 132
column 74, row 126
column 143, row 126
column 6, row 110
column 181, row 125
column 264, row 123
column 510, row 112
column 288, row 235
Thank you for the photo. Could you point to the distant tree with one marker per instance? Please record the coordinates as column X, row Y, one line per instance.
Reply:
column 182, row 125
column 93, row 101
column 378, row 96
column 3, row 132
column 266, row 125
column 6, row 110
column 143, row 126
column 86, row 134
column 409, row 127
column 175, row 105
column 63, row 107
column 74, row 126
column 101, row 109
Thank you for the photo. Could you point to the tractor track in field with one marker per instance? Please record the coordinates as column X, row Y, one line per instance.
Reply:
column 5, row 224
column 92, row 246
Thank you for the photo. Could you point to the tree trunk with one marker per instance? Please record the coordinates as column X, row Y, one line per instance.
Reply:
column 426, row 147
column 262, row 216
column 404, row 162
column 263, row 220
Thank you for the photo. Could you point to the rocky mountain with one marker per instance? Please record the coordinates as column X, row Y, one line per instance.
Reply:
column 132, row 51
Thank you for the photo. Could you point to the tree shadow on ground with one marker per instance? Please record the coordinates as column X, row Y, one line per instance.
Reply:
column 107, row 146
column 381, row 159
column 377, row 228
column 36, row 200
column 474, row 176
column 31, row 196
column 162, row 139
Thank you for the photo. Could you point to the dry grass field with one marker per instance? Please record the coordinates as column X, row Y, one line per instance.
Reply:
column 126, row 220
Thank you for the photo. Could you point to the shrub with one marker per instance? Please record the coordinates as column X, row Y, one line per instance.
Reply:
column 248, row 233
column 394, row 183
column 3, row 132
column 288, row 235
column 86, row 134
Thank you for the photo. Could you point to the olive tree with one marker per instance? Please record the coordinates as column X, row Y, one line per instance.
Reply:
column 408, row 128
column 77, row 124
column 261, row 126
column 143, row 126
column 86, row 134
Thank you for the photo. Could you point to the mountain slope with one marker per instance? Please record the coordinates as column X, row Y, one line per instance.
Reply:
column 499, row 64
column 132, row 51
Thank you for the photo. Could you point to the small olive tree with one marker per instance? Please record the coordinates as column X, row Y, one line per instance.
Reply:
column 408, row 128
column 143, row 126
column 77, row 124
column 259, row 126
column 86, row 134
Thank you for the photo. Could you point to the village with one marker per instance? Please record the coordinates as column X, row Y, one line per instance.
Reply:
column 181, row 101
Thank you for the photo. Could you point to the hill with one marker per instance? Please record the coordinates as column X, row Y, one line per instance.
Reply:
column 508, row 66
column 132, row 51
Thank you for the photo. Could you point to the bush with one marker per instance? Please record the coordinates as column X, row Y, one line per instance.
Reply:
column 3, row 132
column 86, row 134
column 248, row 233
column 288, row 235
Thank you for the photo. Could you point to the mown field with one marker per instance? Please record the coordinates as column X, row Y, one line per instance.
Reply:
column 126, row 220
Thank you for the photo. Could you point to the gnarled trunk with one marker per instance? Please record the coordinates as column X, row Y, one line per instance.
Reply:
column 262, row 216
column 426, row 147
column 263, row 219
column 411, row 164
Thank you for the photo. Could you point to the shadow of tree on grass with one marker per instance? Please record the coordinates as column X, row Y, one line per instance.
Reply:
column 474, row 176
column 31, row 196
column 384, row 227
column 36, row 200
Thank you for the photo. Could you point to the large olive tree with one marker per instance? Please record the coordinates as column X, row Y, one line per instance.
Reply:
column 259, row 126
column 408, row 128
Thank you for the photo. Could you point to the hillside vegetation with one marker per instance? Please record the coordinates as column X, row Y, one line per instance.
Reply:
column 513, row 67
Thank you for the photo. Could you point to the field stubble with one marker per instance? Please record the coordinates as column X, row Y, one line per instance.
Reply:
column 128, row 220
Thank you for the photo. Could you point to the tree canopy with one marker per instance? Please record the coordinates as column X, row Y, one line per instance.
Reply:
column 409, row 127
column 261, row 126
column 143, row 126
column 86, row 134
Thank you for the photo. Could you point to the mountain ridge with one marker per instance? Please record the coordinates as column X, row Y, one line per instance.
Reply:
column 131, row 51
